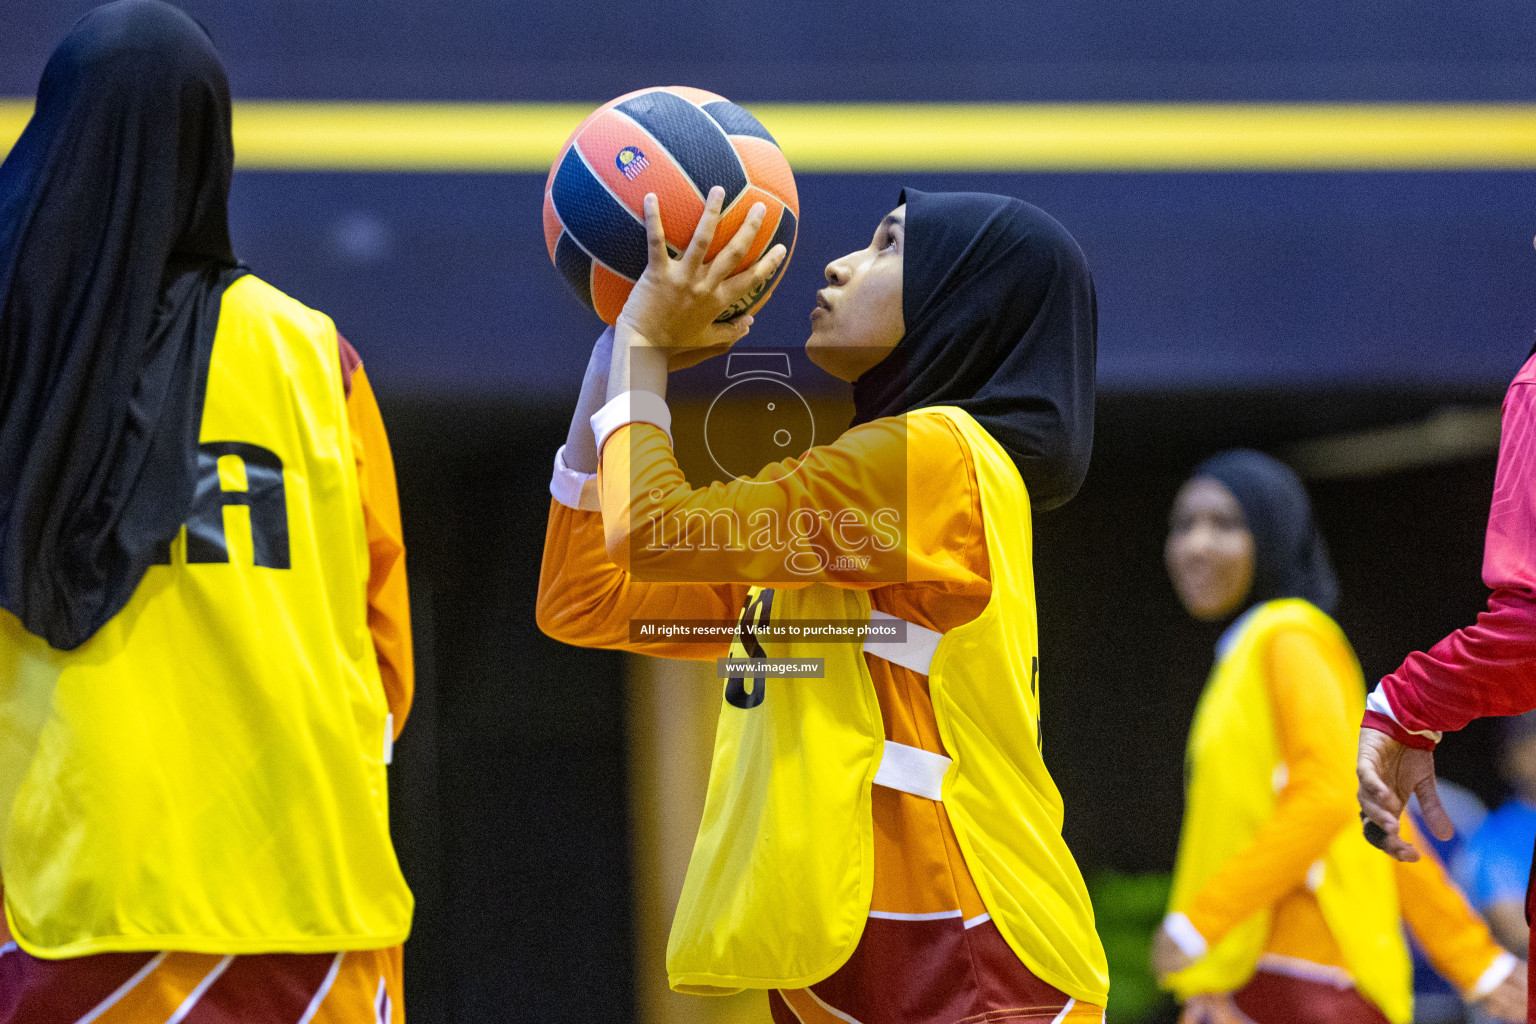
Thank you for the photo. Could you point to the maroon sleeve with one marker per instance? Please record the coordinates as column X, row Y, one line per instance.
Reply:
column 350, row 361
column 1488, row 668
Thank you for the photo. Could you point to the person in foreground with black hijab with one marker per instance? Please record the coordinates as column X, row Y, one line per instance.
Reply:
column 195, row 707
column 881, row 841
column 1280, row 910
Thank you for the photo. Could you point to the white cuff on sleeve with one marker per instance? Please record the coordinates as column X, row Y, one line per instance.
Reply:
column 573, row 489
column 631, row 407
column 1502, row 967
column 1378, row 703
column 1184, row 935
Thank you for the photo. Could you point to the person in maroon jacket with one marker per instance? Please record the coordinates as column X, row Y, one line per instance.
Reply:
column 1488, row 668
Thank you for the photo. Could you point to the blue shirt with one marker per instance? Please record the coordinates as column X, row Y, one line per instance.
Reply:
column 1467, row 813
column 1495, row 864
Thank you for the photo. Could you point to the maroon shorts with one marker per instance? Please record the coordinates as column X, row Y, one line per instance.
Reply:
column 200, row 988
column 930, row 972
column 1282, row 999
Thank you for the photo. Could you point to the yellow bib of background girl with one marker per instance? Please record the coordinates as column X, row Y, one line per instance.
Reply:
column 1234, row 757
column 207, row 772
column 779, row 885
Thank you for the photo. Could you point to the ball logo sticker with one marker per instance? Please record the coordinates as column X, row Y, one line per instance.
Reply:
column 631, row 162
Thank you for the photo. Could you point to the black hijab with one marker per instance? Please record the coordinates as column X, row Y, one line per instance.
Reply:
column 1001, row 321
column 1290, row 558
column 114, row 257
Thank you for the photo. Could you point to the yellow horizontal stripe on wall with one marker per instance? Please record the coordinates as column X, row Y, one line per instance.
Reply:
column 879, row 137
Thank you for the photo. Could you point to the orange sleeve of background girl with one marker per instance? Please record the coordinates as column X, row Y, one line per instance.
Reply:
column 1317, row 746
column 389, row 605
column 893, row 493
column 1456, row 939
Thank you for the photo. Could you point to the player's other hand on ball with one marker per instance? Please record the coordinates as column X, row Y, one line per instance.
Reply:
column 1389, row 773
column 1507, row 1002
column 674, row 304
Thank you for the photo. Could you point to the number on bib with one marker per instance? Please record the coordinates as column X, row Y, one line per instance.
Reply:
column 757, row 612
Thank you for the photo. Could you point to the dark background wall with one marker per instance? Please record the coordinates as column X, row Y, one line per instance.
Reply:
column 1255, row 308
column 508, row 792
column 804, row 50
column 1205, row 280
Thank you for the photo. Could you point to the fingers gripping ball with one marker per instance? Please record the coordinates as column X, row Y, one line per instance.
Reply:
column 678, row 143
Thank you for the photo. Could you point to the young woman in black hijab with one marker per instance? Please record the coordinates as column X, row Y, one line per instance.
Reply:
column 881, row 842
column 1280, row 910
column 194, row 708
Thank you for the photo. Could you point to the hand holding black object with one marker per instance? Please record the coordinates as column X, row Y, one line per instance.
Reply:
column 1389, row 772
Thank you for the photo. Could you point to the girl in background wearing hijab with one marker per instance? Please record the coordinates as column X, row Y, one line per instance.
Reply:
column 1280, row 911
column 195, row 709
column 882, row 844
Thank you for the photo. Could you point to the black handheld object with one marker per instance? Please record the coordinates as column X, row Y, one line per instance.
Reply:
column 1376, row 835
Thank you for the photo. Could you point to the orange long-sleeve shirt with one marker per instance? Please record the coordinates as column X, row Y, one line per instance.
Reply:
column 389, row 606
column 586, row 598
column 1317, row 742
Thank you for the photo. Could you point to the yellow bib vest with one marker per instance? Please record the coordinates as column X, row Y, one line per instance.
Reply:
column 207, row 772
column 1233, row 766
column 779, row 885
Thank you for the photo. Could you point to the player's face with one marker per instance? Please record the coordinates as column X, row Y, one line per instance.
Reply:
column 1209, row 551
column 857, row 319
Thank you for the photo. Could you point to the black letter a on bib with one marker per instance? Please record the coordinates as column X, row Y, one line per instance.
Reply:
column 263, row 495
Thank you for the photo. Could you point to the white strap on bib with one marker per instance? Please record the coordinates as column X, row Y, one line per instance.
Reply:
column 915, row 652
column 912, row 770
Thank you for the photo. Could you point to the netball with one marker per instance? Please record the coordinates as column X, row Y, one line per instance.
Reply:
column 678, row 143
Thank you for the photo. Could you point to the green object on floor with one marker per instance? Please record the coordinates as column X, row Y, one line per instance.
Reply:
column 1127, row 910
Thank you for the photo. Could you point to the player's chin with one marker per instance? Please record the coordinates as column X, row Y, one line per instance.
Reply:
column 821, row 349
column 1198, row 604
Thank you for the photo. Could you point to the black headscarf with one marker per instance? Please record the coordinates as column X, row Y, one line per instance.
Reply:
column 1001, row 321
column 114, row 257
column 1290, row 558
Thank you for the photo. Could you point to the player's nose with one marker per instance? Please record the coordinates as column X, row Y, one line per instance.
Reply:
column 1198, row 542
column 837, row 273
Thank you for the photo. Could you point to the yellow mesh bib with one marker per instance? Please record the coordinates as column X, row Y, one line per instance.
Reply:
column 1233, row 758
column 778, row 889
column 206, row 773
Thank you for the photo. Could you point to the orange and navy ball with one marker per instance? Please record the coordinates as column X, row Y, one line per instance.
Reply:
column 678, row 143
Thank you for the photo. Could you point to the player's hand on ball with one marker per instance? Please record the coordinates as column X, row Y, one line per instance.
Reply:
column 1507, row 1002
column 674, row 304
column 1389, row 772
